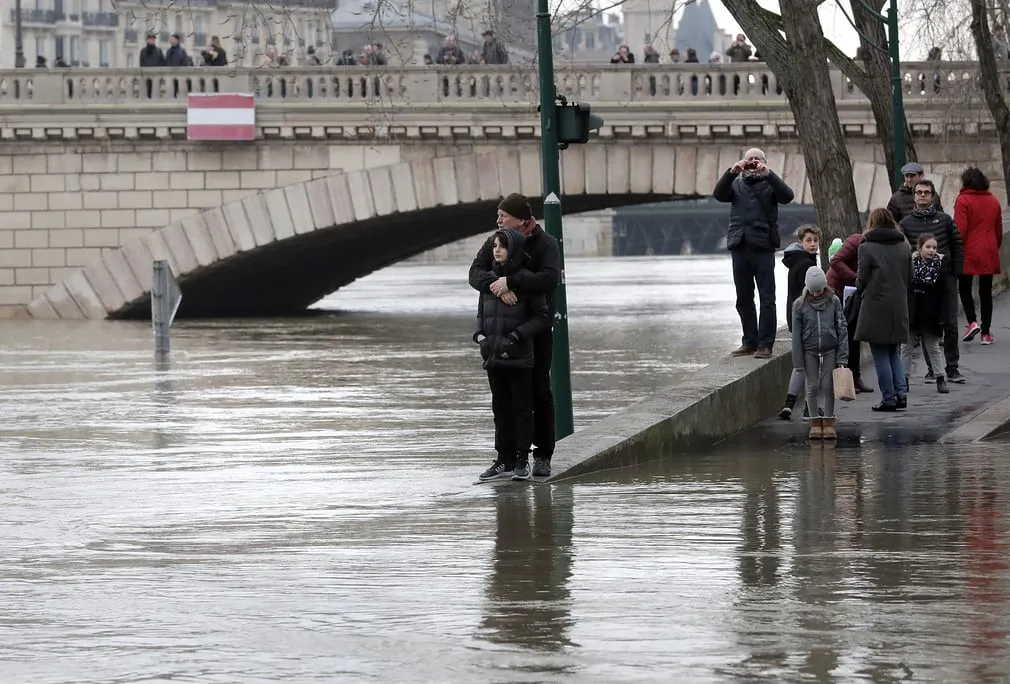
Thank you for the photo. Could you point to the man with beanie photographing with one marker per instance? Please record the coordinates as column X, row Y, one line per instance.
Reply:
column 540, row 276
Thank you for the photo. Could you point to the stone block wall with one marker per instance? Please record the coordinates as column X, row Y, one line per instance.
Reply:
column 62, row 206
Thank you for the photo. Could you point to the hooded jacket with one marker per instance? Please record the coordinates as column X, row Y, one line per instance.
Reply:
column 541, row 274
column 754, row 214
column 819, row 327
column 882, row 277
column 797, row 260
column 509, row 330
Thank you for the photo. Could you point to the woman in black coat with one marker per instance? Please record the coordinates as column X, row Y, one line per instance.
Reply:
column 885, row 265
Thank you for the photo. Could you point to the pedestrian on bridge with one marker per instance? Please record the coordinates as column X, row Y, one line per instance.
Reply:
column 755, row 193
column 540, row 276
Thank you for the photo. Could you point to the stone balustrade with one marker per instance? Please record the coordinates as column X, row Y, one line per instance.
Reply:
column 467, row 86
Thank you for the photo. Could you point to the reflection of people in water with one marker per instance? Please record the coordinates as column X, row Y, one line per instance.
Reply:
column 760, row 552
column 528, row 603
column 985, row 562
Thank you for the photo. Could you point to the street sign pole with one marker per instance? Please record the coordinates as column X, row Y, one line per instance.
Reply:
column 165, row 299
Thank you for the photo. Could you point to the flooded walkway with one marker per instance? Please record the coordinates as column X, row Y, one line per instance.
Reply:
column 930, row 415
column 292, row 502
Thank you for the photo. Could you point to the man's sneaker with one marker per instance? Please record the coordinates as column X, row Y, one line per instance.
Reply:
column 763, row 353
column 987, row 338
column 954, row 375
column 497, row 471
column 901, row 403
column 743, row 350
column 786, row 413
column 941, row 386
column 521, row 471
column 930, row 378
column 541, row 467
column 970, row 332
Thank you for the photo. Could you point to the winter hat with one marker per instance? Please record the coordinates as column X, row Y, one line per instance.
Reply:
column 815, row 279
column 833, row 248
column 516, row 205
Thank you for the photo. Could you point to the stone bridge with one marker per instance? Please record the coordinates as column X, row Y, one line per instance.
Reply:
column 277, row 252
column 95, row 174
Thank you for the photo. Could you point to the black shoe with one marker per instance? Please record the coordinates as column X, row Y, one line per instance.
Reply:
column 954, row 375
column 901, row 404
column 884, row 406
column 522, row 470
column 930, row 378
column 941, row 386
column 497, row 471
column 860, row 387
column 541, row 467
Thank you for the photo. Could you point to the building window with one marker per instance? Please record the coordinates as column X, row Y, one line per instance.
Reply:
column 60, row 48
column 85, row 52
column 74, row 50
column 590, row 41
column 198, row 25
column 104, row 50
column 178, row 24
column 40, row 48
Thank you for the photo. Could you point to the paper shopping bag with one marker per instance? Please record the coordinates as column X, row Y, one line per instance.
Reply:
column 845, row 387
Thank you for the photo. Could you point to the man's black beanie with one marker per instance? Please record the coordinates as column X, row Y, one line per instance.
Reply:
column 516, row 205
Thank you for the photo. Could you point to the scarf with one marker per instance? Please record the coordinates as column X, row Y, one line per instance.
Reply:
column 925, row 213
column 926, row 272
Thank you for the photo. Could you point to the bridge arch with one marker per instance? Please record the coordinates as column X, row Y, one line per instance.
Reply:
column 277, row 252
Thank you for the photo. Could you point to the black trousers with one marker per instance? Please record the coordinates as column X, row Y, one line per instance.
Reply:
column 853, row 352
column 543, row 398
column 752, row 267
column 984, row 299
column 512, row 405
column 951, row 336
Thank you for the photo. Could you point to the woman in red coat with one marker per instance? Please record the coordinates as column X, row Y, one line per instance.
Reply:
column 979, row 218
column 842, row 273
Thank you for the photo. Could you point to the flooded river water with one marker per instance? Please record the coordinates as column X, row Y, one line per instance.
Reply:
column 292, row 501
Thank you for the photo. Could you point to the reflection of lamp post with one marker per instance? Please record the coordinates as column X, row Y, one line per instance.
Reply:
column 19, row 47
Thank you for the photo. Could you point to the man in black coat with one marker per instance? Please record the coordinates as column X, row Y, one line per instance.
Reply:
column 755, row 193
column 543, row 276
column 151, row 55
column 926, row 217
column 902, row 202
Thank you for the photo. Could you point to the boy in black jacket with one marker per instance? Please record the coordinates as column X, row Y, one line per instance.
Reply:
column 505, row 334
column 541, row 275
column 798, row 258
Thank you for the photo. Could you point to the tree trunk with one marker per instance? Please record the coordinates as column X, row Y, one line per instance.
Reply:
column 800, row 63
column 872, row 79
column 989, row 77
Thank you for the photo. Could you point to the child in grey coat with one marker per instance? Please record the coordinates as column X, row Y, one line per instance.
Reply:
column 820, row 345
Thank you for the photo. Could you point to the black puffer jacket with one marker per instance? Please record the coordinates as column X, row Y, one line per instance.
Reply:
column 948, row 237
column 509, row 330
column 754, row 216
column 540, row 274
column 798, row 262
column 902, row 203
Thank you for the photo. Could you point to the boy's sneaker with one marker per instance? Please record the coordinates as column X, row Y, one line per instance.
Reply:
column 970, row 332
column 497, row 471
column 786, row 413
column 987, row 338
column 954, row 375
column 541, row 467
column 941, row 386
column 521, row 471
column 930, row 378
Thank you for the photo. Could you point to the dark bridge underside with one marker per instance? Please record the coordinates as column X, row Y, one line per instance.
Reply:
column 285, row 277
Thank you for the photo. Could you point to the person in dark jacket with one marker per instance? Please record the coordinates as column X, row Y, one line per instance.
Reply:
column 541, row 275
column 926, row 218
column 151, row 55
column 902, row 202
column 505, row 333
column 755, row 193
column 215, row 55
column 885, row 265
column 927, row 305
column 842, row 274
column 176, row 55
column 797, row 257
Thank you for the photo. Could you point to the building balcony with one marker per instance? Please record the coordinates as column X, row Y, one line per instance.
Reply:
column 101, row 20
column 36, row 16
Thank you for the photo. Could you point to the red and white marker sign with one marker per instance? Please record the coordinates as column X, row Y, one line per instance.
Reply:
column 221, row 116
